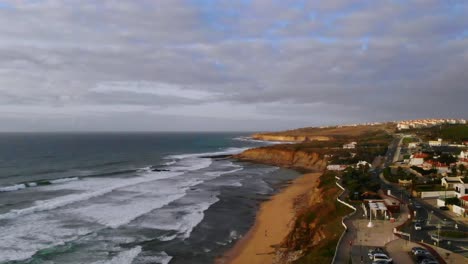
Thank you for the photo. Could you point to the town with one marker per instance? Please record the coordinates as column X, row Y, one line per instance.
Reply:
column 410, row 204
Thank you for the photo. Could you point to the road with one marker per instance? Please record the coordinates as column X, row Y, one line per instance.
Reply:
column 428, row 215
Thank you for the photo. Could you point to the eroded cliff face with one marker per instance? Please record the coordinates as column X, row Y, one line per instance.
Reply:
column 286, row 138
column 284, row 158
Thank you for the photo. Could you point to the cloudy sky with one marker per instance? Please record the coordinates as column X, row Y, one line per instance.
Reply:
column 170, row 65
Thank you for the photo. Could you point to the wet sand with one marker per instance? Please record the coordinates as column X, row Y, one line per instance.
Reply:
column 272, row 225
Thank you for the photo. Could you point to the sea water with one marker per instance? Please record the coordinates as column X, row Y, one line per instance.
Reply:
column 127, row 198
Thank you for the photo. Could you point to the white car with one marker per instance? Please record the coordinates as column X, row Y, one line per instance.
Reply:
column 382, row 257
column 436, row 238
column 417, row 226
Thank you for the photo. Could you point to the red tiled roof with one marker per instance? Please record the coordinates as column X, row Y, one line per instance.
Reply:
column 420, row 155
column 465, row 198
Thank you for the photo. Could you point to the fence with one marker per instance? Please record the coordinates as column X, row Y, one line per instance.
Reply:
column 344, row 218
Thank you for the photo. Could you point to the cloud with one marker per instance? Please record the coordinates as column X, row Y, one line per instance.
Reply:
column 275, row 62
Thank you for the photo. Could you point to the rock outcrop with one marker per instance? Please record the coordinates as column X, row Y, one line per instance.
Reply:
column 289, row 138
column 284, row 158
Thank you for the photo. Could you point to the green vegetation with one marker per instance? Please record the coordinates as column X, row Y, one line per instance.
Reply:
column 424, row 172
column 428, row 188
column 336, row 131
column 358, row 180
column 454, row 133
column 399, row 174
column 316, row 220
column 446, row 159
column 453, row 234
column 407, row 140
column 453, row 200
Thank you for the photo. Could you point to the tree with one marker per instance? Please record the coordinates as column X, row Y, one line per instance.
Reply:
column 461, row 168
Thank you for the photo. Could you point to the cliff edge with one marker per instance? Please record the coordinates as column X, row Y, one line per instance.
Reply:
column 288, row 138
column 284, row 158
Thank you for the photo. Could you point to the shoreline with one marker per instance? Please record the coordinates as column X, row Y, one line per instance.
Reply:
column 273, row 223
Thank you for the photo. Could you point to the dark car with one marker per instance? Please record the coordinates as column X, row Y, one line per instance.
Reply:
column 445, row 208
column 423, row 258
column 413, row 250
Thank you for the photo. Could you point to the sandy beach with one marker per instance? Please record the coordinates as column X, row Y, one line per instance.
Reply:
column 272, row 225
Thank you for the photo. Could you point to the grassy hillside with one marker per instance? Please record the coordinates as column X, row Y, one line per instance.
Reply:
column 336, row 131
column 455, row 133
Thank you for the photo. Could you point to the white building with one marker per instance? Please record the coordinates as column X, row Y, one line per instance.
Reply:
column 413, row 145
column 336, row 167
column 417, row 159
column 463, row 155
column 461, row 189
column 434, row 143
column 351, row 145
column 449, row 182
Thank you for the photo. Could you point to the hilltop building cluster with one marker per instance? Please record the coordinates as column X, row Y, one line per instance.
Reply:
column 420, row 123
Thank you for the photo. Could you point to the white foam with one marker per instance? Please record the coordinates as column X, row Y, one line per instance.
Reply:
column 160, row 258
column 228, row 151
column 167, row 238
column 124, row 257
column 120, row 214
column 72, row 198
column 182, row 219
column 64, row 180
column 12, row 188
column 219, row 173
column 191, row 164
column 24, row 236
column 31, row 184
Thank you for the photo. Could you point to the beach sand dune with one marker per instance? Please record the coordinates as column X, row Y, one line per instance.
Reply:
column 272, row 225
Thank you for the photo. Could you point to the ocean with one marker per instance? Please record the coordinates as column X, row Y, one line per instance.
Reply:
column 128, row 197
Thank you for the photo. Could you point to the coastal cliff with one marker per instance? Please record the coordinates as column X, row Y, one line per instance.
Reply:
column 284, row 158
column 289, row 138
column 313, row 225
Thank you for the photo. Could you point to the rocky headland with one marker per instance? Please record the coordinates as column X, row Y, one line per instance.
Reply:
column 305, row 215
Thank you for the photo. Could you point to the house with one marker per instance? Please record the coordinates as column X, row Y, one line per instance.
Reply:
column 449, row 182
column 463, row 155
column 435, row 143
column 351, row 145
column 440, row 167
column 336, row 167
column 402, row 126
column 417, row 159
column 413, row 145
column 461, row 189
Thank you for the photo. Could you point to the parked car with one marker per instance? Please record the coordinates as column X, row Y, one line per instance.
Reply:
column 421, row 252
column 382, row 257
column 436, row 238
column 423, row 257
column 447, row 223
column 379, row 262
column 413, row 250
column 416, row 205
column 429, row 261
column 417, row 226
column 373, row 251
column 445, row 208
